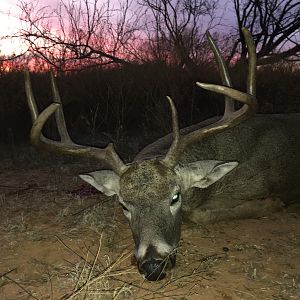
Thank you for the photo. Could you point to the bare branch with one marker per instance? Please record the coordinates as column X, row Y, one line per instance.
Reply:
column 175, row 28
column 275, row 26
column 78, row 33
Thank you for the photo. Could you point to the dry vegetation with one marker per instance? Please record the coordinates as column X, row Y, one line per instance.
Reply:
column 128, row 106
column 60, row 239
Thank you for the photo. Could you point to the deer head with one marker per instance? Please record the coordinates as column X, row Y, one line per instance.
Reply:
column 151, row 191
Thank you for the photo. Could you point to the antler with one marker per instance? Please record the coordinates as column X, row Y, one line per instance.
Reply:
column 65, row 145
column 231, row 117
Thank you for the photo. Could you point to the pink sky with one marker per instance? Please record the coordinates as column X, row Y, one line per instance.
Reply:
column 9, row 22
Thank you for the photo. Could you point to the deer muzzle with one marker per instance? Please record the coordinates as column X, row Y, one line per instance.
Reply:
column 154, row 266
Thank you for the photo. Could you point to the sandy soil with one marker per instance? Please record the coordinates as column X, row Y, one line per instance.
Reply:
column 59, row 237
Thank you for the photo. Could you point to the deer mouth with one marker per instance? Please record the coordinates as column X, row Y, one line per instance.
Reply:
column 154, row 269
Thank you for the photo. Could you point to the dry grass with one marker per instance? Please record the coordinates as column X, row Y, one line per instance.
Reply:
column 61, row 241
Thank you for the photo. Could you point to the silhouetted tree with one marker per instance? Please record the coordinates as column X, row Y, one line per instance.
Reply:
column 79, row 33
column 175, row 28
column 275, row 28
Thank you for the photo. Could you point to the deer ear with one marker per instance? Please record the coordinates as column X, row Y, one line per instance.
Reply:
column 106, row 181
column 202, row 174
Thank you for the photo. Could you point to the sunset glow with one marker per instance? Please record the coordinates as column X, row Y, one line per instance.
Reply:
column 76, row 32
column 9, row 24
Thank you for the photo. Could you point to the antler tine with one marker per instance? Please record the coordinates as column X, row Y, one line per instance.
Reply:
column 230, row 118
column 59, row 113
column 30, row 98
column 65, row 145
column 251, row 80
column 229, row 104
column 175, row 126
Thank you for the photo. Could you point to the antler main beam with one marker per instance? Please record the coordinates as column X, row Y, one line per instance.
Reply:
column 107, row 155
column 231, row 117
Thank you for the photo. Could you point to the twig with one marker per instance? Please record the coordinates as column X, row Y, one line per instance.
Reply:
column 68, row 247
column 82, row 269
column 98, row 277
column 21, row 287
column 6, row 273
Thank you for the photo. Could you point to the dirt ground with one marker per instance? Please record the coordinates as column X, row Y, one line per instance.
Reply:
column 62, row 240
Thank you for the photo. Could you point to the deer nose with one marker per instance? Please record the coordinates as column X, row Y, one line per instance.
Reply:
column 153, row 269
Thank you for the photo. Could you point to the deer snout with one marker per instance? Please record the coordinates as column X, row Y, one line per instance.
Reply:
column 153, row 264
column 153, row 269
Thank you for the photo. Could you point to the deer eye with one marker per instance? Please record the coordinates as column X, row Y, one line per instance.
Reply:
column 175, row 198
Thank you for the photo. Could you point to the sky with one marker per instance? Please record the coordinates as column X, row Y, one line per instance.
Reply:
column 9, row 23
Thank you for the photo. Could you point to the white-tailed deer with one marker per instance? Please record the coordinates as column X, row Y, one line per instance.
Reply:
column 176, row 174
